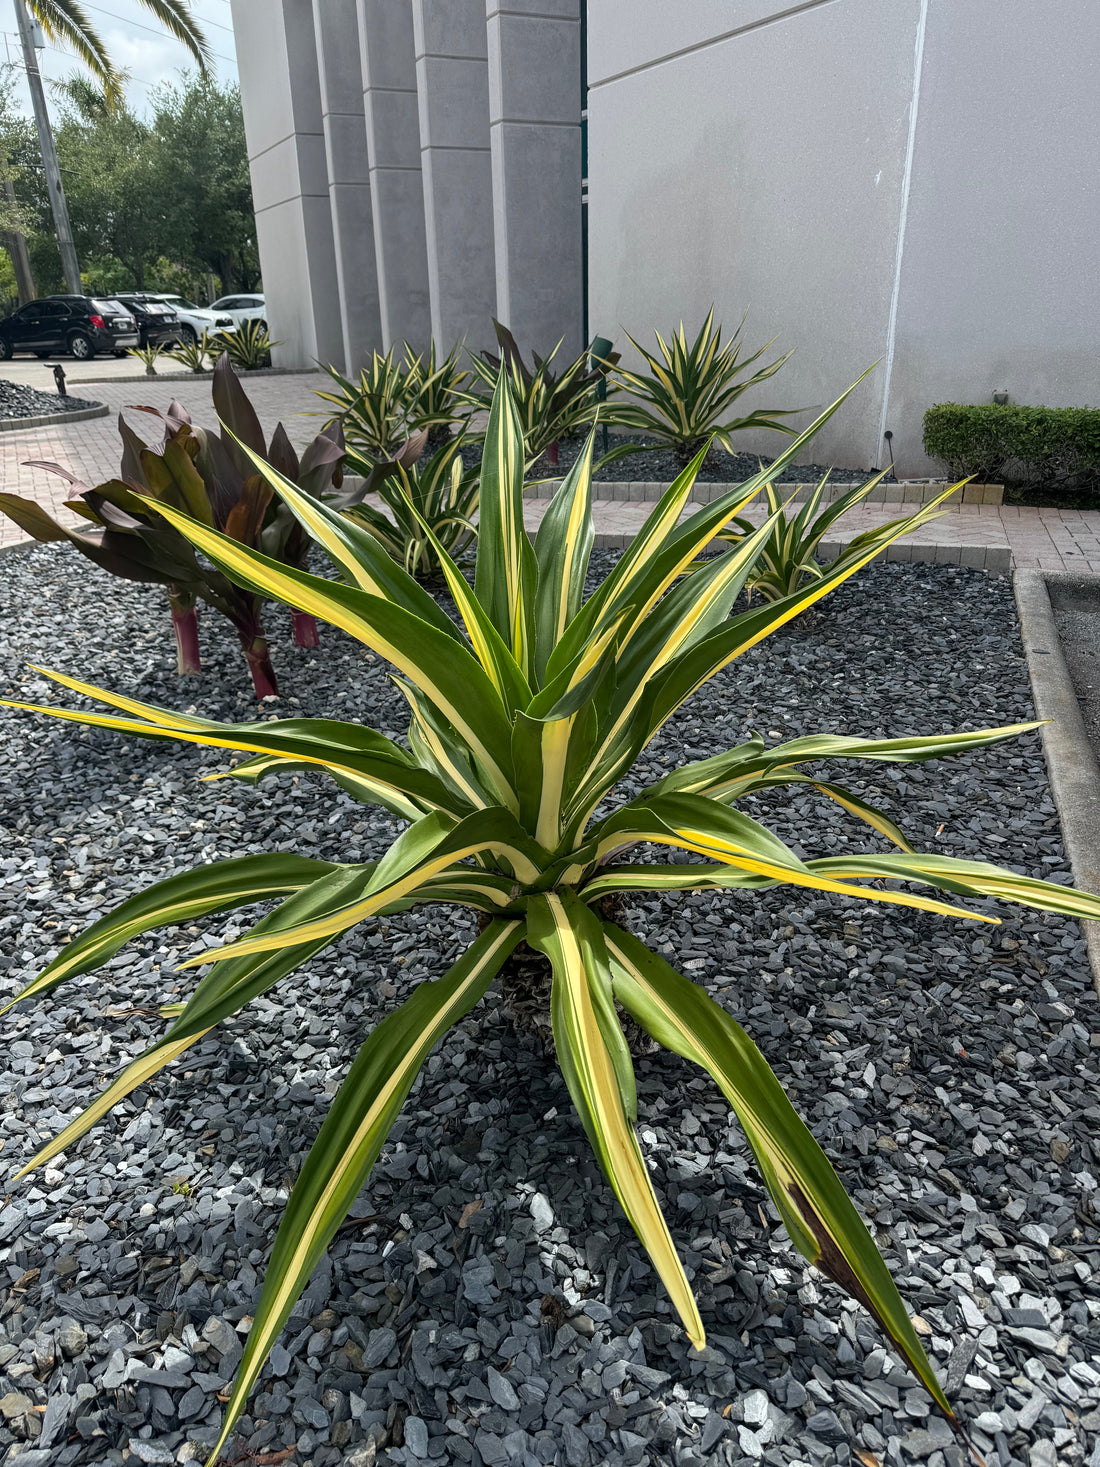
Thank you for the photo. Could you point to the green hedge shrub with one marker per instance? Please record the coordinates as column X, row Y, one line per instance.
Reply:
column 1032, row 446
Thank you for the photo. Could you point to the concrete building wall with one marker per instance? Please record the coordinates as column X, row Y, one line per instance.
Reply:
column 340, row 73
column 844, row 172
column 999, row 285
column 841, row 171
column 416, row 171
column 535, row 139
column 284, row 130
column 388, row 58
column 452, row 87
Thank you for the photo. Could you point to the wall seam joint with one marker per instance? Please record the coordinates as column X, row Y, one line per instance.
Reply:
column 903, row 219
column 741, row 30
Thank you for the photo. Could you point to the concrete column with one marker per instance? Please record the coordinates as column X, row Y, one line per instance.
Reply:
column 535, row 133
column 452, row 83
column 336, row 28
column 393, row 154
column 281, row 97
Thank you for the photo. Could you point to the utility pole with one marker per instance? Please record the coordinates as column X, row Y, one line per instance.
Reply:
column 69, row 265
column 16, row 242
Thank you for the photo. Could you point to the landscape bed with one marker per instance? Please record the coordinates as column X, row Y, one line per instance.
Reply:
column 488, row 1303
column 17, row 400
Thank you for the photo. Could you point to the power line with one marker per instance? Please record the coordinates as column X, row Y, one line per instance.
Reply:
column 68, row 56
column 219, row 25
column 153, row 30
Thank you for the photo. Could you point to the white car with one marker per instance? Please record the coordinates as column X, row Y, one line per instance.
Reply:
column 194, row 320
column 242, row 308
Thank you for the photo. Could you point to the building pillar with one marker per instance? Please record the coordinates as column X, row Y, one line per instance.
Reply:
column 281, row 97
column 535, row 131
column 336, row 28
column 393, row 154
column 453, row 96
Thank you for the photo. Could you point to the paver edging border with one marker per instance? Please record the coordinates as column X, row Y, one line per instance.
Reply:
column 49, row 420
column 705, row 491
column 1071, row 765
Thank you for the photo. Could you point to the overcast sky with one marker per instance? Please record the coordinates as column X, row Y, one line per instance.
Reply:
column 138, row 45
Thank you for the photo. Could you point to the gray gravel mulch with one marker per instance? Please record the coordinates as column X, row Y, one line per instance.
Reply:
column 487, row 1303
column 19, row 401
column 660, row 465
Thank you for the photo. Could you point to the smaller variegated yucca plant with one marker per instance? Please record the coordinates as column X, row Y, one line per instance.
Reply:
column 148, row 355
column 195, row 354
column 550, row 404
column 788, row 557
column 430, row 498
column 683, row 394
column 248, row 347
column 372, row 412
column 524, row 716
column 393, row 400
column 433, row 392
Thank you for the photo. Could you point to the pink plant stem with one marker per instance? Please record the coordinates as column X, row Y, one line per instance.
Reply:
column 259, row 664
column 305, row 629
column 185, row 625
column 552, row 455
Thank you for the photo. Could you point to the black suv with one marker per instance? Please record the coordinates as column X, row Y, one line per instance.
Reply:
column 158, row 324
column 78, row 324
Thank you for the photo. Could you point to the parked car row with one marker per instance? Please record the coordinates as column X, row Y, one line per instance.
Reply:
column 84, row 325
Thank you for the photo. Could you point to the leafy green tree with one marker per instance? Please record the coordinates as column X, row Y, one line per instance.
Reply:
column 203, row 183
column 17, row 152
column 155, row 203
column 109, row 163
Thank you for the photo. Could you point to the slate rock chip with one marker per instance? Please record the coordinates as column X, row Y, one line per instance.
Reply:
column 939, row 1063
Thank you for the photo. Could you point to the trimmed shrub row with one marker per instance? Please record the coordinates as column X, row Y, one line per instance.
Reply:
column 1031, row 446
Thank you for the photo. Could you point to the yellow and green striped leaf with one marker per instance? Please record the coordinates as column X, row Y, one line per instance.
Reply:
column 724, row 774
column 222, row 992
column 354, row 1131
column 968, row 878
column 693, row 823
column 560, row 926
column 563, row 545
column 180, row 898
column 435, row 842
column 696, row 876
column 820, row 1218
column 489, row 646
column 505, row 570
column 376, row 767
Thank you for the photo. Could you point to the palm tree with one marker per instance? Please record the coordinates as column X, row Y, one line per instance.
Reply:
column 68, row 23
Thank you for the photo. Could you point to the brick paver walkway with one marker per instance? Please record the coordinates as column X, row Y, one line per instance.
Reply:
column 92, row 449
column 993, row 537
column 990, row 537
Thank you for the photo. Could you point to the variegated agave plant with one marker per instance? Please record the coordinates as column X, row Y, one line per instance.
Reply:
column 789, row 556
column 522, row 722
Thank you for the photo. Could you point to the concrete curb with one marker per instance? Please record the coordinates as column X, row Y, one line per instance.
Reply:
column 48, row 420
column 1071, row 765
column 191, row 376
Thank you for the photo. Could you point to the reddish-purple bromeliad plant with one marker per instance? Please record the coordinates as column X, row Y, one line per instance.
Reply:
column 209, row 477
